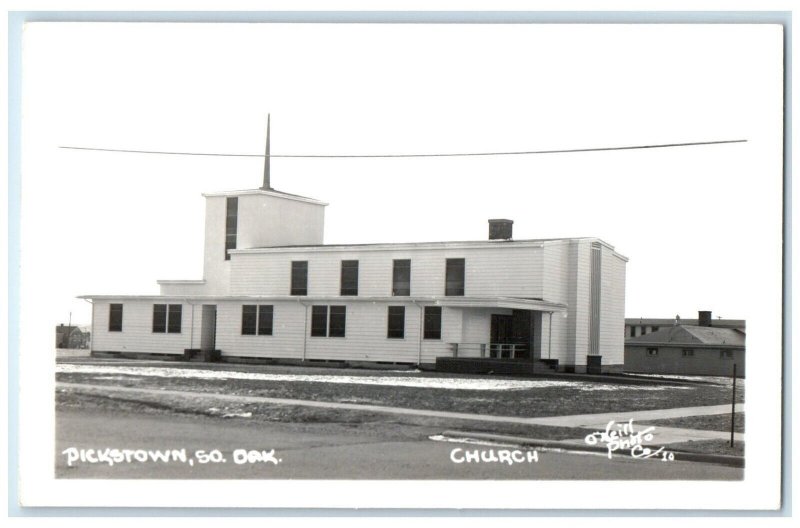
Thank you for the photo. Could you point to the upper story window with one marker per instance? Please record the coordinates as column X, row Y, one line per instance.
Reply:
column 349, row 283
column 687, row 352
column 299, row 277
column 257, row 319
column 115, row 318
column 401, row 277
column 231, row 221
column 454, row 277
column 652, row 352
column 167, row 318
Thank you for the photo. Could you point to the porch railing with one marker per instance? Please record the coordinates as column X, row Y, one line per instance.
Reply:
column 488, row 350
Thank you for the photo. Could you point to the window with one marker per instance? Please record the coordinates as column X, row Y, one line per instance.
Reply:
column 633, row 331
column 726, row 354
column 652, row 352
column 397, row 322
column 328, row 321
column 454, row 277
column 338, row 315
column 160, row 318
column 167, row 318
column 653, row 329
column 299, row 277
column 688, row 352
column 231, row 220
column 319, row 321
column 349, row 285
column 401, row 277
column 115, row 318
column 174, row 321
column 257, row 319
column 433, row 322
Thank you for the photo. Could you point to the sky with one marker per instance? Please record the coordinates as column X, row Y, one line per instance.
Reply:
column 701, row 225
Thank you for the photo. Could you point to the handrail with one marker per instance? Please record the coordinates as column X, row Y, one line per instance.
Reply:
column 492, row 350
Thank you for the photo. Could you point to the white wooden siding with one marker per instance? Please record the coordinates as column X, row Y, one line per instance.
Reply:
column 612, row 313
column 491, row 271
column 137, row 329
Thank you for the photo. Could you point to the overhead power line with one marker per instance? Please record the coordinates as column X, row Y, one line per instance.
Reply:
column 434, row 155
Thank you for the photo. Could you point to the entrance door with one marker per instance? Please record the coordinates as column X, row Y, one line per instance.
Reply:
column 501, row 336
column 208, row 328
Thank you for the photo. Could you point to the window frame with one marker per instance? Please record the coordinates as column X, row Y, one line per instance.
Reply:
column 399, row 316
column 163, row 322
column 319, row 320
column 299, row 267
column 338, row 311
column 112, row 327
column 401, row 289
column 455, row 266
column 432, row 314
column 231, row 224
column 348, row 278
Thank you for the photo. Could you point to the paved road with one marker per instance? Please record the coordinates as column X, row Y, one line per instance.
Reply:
column 325, row 451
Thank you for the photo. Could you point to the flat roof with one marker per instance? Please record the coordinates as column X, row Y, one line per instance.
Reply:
column 514, row 303
column 453, row 244
column 271, row 192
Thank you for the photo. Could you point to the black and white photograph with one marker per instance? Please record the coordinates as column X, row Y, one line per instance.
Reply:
column 534, row 265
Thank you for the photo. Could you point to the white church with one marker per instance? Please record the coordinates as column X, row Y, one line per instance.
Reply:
column 273, row 292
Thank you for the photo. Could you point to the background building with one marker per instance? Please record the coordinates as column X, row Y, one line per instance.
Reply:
column 690, row 349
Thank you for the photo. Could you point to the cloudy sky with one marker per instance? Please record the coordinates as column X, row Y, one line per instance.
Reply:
column 700, row 225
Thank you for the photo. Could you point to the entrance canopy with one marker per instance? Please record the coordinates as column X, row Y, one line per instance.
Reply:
column 512, row 303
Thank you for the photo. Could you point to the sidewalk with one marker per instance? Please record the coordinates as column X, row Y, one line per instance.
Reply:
column 598, row 422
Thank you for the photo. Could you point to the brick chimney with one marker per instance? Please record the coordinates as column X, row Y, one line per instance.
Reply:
column 500, row 229
column 704, row 318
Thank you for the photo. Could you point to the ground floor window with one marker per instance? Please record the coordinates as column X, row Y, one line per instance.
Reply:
column 397, row 322
column 115, row 318
column 433, row 322
column 726, row 354
column 257, row 319
column 328, row 321
column 167, row 318
column 652, row 352
column 688, row 352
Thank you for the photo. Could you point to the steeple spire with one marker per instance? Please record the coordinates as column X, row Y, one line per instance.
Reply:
column 266, row 185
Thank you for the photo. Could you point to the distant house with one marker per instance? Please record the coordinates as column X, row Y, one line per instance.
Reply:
column 639, row 326
column 68, row 336
column 687, row 349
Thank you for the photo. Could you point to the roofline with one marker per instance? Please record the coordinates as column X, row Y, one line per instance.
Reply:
column 677, row 344
column 274, row 193
column 680, row 322
column 454, row 302
column 391, row 246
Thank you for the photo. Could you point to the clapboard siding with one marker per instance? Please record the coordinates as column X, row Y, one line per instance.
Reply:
column 612, row 304
column 137, row 329
column 491, row 271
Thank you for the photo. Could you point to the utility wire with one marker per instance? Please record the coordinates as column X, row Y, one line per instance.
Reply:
column 512, row 153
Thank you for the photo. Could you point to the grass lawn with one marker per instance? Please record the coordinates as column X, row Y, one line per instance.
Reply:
column 716, row 422
column 713, row 447
column 264, row 414
column 574, row 398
